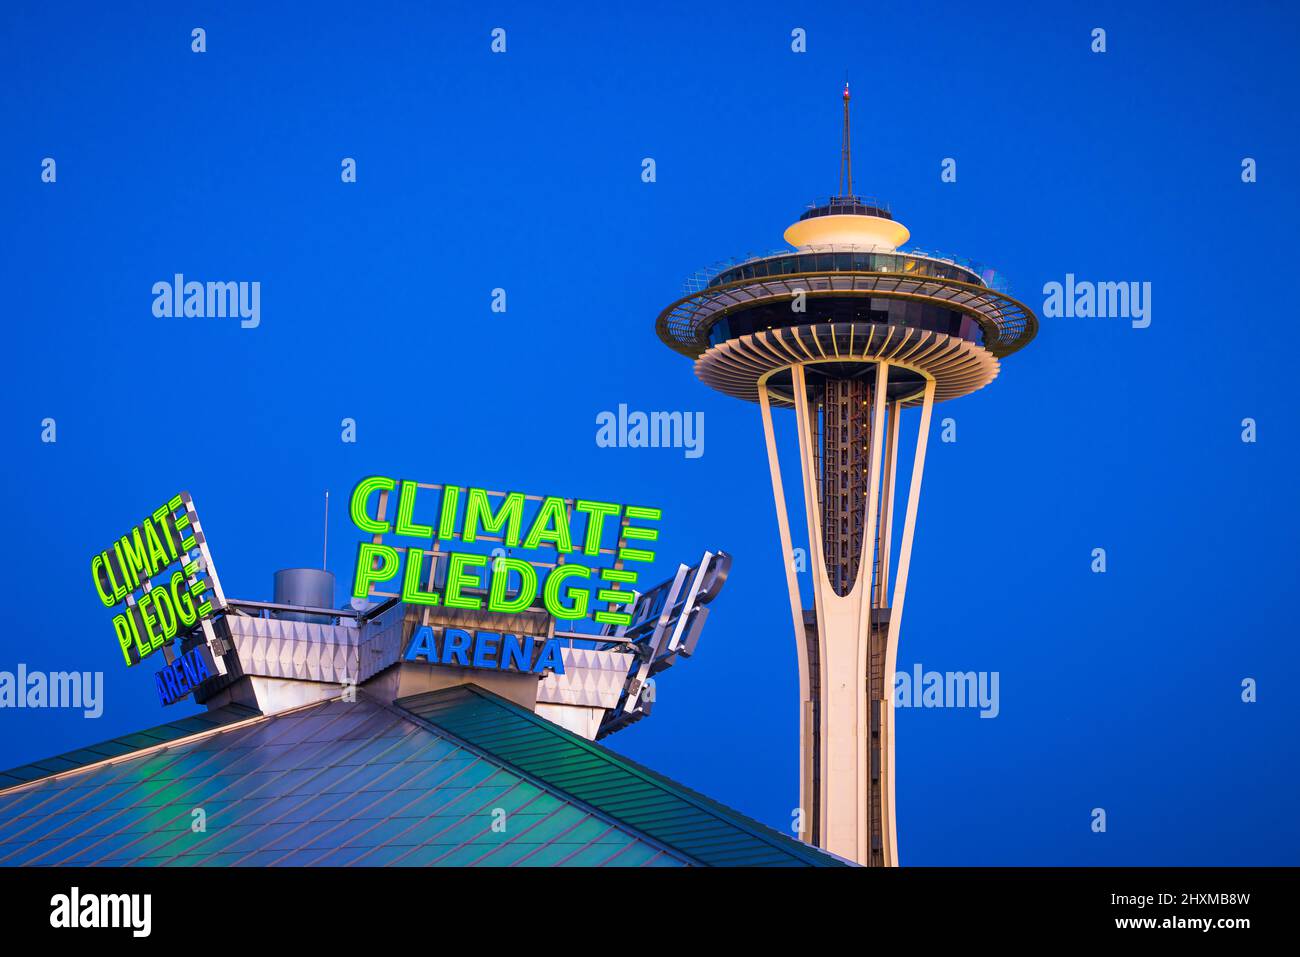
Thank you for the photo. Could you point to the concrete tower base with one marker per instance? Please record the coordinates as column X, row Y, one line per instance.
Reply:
column 847, row 660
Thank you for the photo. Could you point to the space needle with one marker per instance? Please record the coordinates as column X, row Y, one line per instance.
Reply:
column 848, row 330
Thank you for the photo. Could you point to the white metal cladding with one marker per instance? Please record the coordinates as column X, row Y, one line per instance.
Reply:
column 307, row 651
column 298, row 650
column 382, row 645
column 592, row 678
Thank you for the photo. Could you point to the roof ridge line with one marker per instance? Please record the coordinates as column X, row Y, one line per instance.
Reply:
column 129, row 755
column 710, row 806
column 532, row 778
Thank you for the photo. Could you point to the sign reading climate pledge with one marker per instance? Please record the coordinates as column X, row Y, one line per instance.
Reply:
column 486, row 650
column 573, row 531
column 160, row 575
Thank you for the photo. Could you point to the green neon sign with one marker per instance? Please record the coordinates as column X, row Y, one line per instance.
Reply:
column 159, row 575
column 437, row 518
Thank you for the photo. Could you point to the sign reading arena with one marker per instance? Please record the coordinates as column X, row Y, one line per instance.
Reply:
column 567, row 588
column 485, row 650
column 179, row 678
column 159, row 574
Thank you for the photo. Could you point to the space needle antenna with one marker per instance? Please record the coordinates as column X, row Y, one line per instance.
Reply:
column 846, row 158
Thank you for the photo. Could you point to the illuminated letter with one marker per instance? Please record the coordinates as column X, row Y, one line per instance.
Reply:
column 367, row 573
column 179, row 522
column 123, row 630
column 196, row 590
column 201, row 665
column 454, row 644
column 478, row 511
column 552, row 591
column 155, row 641
column 133, row 619
column 157, row 555
column 162, row 601
column 501, row 570
column 411, row 580
column 359, row 495
column 422, row 646
column 96, row 564
column 552, row 509
column 181, row 600
column 631, row 533
column 456, row 579
column 405, row 509
column 597, row 513
column 119, row 590
column 550, row 657
column 447, row 517
column 131, row 557
column 485, row 649
column 513, row 655
column 160, row 518
column 612, row 596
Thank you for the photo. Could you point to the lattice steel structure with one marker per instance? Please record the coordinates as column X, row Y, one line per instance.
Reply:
column 848, row 331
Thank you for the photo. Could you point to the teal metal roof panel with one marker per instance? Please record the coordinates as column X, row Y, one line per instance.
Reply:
column 136, row 741
column 341, row 783
column 335, row 783
column 698, row 827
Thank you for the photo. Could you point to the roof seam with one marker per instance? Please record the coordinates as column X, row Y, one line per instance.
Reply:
column 543, row 784
column 736, row 819
column 140, row 752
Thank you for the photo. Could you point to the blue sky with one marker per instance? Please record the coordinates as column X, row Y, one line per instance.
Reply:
column 522, row 171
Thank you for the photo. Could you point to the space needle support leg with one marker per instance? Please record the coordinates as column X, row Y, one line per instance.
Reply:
column 862, row 591
column 890, row 823
column 884, row 546
column 824, row 597
column 806, row 738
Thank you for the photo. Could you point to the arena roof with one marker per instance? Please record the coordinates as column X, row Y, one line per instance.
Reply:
column 453, row 777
